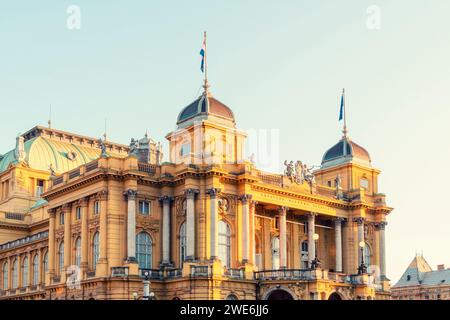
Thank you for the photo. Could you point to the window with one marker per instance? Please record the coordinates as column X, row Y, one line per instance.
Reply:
column 78, row 213
column 144, row 250
column 258, row 254
column 39, row 188
column 276, row 253
column 367, row 258
column 61, row 257
column 185, row 149
column 182, row 243
column 364, row 183
column 95, row 250
column 35, row 270
column 61, row 218
column 329, row 183
column 78, row 252
column 225, row 243
column 232, row 297
column 304, row 256
column 15, row 274
column 5, row 272
column 305, row 228
column 408, row 278
column 45, row 262
column 144, row 207
column 25, row 272
column 97, row 207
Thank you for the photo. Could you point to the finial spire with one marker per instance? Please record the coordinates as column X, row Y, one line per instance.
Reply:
column 342, row 115
column 50, row 118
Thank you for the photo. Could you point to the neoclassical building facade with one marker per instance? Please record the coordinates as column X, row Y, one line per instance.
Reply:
column 88, row 219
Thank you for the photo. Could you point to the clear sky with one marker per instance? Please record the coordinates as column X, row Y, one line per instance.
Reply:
column 278, row 64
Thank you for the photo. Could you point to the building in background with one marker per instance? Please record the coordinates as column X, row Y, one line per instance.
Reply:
column 88, row 219
column 420, row 282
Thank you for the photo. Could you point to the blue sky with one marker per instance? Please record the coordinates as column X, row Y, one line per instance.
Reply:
column 277, row 64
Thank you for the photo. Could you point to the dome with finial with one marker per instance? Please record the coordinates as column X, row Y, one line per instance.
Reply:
column 206, row 107
column 346, row 151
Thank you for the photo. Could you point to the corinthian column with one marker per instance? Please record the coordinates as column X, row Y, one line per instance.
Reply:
column 214, row 220
column 381, row 229
column 311, row 241
column 83, row 203
column 166, row 202
column 190, row 223
column 102, row 265
column 131, row 225
column 283, row 251
column 338, row 243
column 51, row 247
column 252, row 231
column 360, row 222
column 66, row 209
column 245, row 227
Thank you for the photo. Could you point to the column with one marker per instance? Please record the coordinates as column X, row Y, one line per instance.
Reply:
column 190, row 223
column 283, row 252
column 131, row 225
column 102, row 265
column 360, row 222
column 245, row 227
column 311, row 243
column 51, row 246
column 382, row 245
column 166, row 201
column 66, row 209
column 83, row 203
column 338, row 243
column 252, row 231
column 214, row 220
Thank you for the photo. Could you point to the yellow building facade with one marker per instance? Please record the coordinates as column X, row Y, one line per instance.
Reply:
column 88, row 219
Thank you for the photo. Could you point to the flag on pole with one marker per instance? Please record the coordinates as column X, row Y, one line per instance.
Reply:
column 203, row 53
column 341, row 112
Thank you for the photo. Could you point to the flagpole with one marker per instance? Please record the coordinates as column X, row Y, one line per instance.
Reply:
column 345, row 114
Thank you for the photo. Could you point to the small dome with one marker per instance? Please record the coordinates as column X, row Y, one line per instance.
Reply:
column 206, row 105
column 345, row 151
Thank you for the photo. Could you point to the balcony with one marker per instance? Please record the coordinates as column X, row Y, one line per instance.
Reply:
column 286, row 274
column 235, row 273
column 201, row 271
column 119, row 272
column 152, row 274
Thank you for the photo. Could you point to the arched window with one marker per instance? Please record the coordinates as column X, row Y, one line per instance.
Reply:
column 61, row 256
column 25, row 272
column 144, row 250
column 304, row 262
column 232, row 297
column 182, row 243
column 78, row 252
column 225, row 243
column 276, row 253
column 5, row 273
column 367, row 258
column 36, row 269
column 45, row 266
column 15, row 274
column 95, row 249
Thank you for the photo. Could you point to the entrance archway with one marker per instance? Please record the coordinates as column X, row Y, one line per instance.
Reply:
column 280, row 294
column 334, row 296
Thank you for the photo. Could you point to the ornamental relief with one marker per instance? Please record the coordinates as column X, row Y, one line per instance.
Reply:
column 180, row 206
column 150, row 226
column 227, row 204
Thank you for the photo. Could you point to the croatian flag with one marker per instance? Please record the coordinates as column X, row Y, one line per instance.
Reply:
column 341, row 112
column 202, row 53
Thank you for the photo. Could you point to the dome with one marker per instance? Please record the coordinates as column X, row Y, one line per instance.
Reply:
column 346, row 151
column 206, row 106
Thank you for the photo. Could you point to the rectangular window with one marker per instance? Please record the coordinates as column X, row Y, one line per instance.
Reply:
column 185, row 149
column 364, row 183
column 39, row 188
column 78, row 213
column 61, row 219
column 329, row 183
column 144, row 207
column 97, row 207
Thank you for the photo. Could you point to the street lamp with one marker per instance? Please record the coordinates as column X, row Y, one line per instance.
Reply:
column 362, row 269
column 316, row 262
column 147, row 294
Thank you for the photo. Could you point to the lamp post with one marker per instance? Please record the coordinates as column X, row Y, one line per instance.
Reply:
column 362, row 269
column 316, row 262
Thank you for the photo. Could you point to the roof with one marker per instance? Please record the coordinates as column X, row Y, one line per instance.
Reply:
column 203, row 106
column 419, row 272
column 345, row 151
column 62, row 154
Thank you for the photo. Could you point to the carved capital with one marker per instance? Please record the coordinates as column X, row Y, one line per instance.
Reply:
column 190, row 193
column 83, row 202
column 102, row 195
column 253, row 204
column 52, row 213
column 245, row 198
column 339, row 220
column 213, row 192
column 283, row 210
column 66, row 207
column 130, row 194
column 166, row 199
column 359, row 220
column 381, row 225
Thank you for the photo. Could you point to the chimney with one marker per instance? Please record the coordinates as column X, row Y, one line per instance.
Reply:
column 441, row 267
